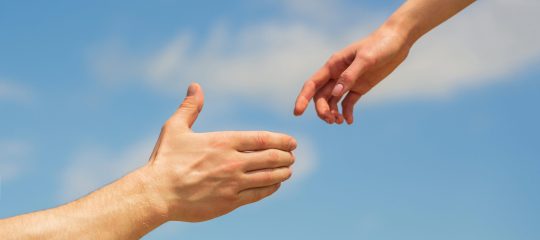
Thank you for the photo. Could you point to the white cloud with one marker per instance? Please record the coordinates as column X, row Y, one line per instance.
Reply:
column 95, row 167
column 10, row 91
column 268, row 61
column 318, row 11
column 13, row 159
column 306, row 162
column 487, row 42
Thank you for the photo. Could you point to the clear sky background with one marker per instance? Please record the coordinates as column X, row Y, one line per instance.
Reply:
column 446, row 148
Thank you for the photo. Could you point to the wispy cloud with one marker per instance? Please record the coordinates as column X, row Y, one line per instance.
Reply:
column 306, row 162
column 484, row 44
column 14, row 157
column 11, row 91
column 268, row 61
column 93, row 167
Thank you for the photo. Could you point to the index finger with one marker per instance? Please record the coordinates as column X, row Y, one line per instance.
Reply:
column 311, row 86
column 261, row 140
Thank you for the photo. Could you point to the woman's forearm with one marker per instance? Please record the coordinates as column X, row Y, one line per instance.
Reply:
column 417, row 17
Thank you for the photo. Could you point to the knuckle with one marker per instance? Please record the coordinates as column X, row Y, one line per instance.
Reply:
column 318, row 95
column 347, row 77
column 167, row 125
column 234, row 166
column 188, row 103
column 308, row 84
column 261, row 138
column 273, row 157
column 368, row 59
column 334, row 59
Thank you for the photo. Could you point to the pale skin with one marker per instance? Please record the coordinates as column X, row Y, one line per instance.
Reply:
column 352, row 72
column 190, row 177
column 196, row 177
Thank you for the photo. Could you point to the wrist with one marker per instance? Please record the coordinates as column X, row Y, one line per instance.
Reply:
column 153, row 198
column 403, row 27
column 125, row 209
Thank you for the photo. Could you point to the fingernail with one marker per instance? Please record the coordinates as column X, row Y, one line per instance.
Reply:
column 191, row 90
column 338, row 89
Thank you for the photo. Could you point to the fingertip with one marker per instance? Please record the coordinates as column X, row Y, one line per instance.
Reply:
column 328, row 119
column 324, row 113
column 193, row 89
column 298, row 112
column 195, row 84
column 331, row 117
column 292, row 143
column 337, row 116
column 347, row 116
column 300, row 107
column 349, row 120
column 339, row 119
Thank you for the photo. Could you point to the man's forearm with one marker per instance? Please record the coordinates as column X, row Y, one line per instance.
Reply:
column 124, row 209
column 190, row 177
column 417, row 17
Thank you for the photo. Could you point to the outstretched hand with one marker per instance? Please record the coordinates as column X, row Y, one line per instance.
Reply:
column 200, row 176
column 351, row 73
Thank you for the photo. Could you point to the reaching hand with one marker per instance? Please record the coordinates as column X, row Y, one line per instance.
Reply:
column 352, row 71
column 200, row 176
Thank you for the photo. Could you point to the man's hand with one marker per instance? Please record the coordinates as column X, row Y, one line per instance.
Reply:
column 190, row 177
column 200, row 176
column 352, row 71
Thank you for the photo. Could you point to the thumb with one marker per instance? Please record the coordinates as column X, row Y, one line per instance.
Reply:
column 349, row 77
column 191, row 106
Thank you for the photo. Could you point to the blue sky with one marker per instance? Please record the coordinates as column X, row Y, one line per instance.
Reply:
column 446, row 148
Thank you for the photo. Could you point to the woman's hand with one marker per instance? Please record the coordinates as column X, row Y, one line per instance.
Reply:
column 351, row 73
column 355, row 70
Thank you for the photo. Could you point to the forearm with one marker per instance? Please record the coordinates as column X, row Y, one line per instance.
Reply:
column 121, row 210
column 417, row 17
